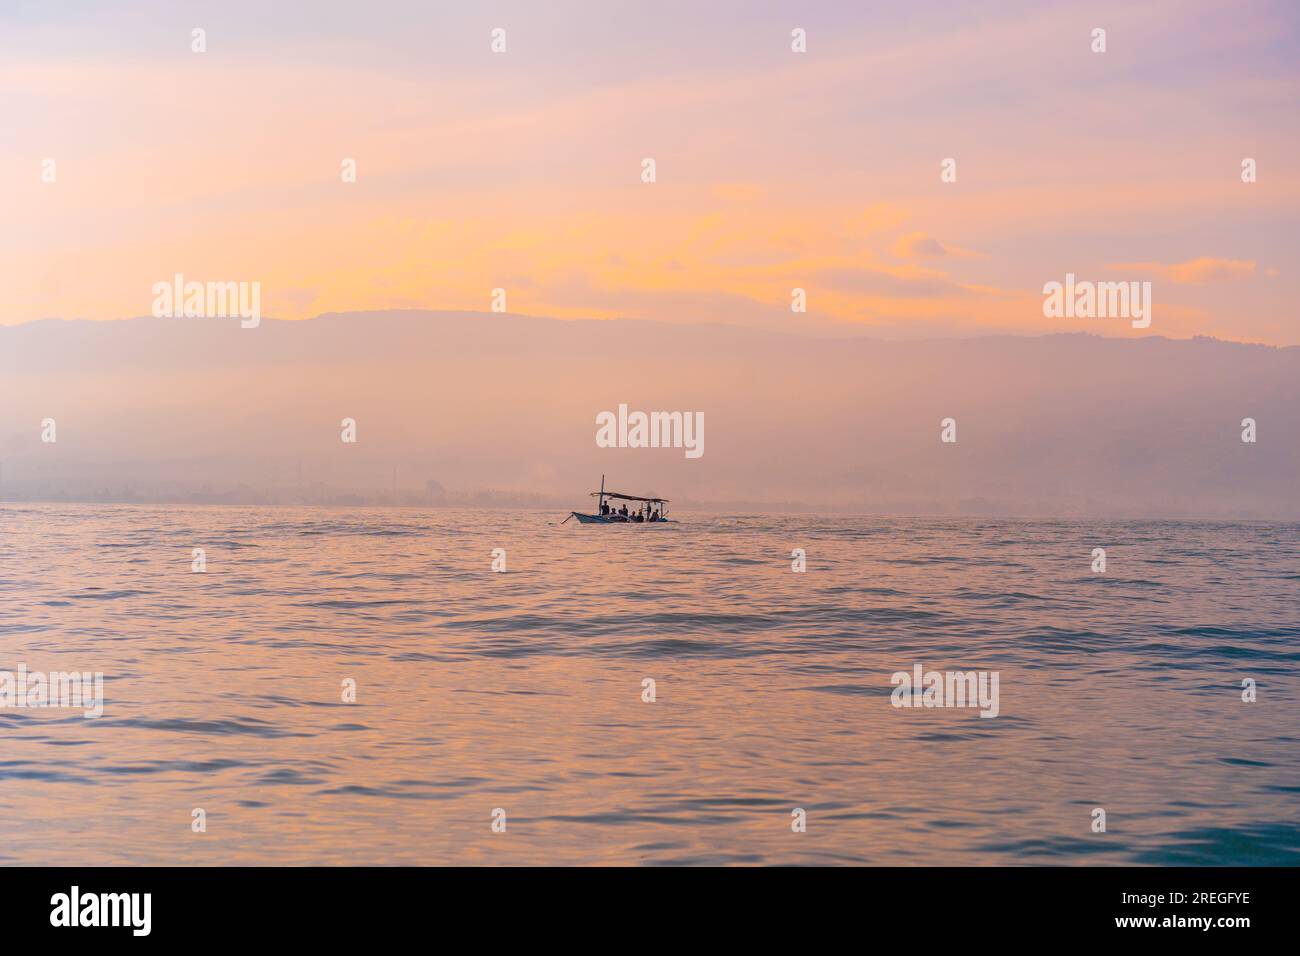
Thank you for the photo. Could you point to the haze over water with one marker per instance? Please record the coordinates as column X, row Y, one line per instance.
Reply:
column 478, row 690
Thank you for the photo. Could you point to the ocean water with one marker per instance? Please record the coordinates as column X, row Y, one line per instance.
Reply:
column 522, row 691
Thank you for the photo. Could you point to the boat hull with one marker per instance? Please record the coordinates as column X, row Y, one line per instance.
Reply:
column 595, row 519
column 611, row 519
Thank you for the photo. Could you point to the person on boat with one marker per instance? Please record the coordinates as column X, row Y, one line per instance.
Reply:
column 623, row 511
column 604, row 507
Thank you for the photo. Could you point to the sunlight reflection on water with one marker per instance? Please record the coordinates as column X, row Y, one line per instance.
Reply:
column 522, row 690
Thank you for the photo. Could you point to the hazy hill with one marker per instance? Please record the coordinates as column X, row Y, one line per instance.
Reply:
column 466, row 407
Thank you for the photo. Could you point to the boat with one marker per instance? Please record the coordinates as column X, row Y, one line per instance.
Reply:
column 638, row 515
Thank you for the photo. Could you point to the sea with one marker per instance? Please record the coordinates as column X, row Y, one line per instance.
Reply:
column 471, row 687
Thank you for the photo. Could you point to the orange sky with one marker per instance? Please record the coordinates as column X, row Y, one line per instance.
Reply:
column 776, row 170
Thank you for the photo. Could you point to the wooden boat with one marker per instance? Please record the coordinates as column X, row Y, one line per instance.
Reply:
column 642, row 515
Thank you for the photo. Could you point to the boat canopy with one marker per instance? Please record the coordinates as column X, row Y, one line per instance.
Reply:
column 615, row 494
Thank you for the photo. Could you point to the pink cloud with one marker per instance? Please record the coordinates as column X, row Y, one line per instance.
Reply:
column 1204, row 269
column 917, row 245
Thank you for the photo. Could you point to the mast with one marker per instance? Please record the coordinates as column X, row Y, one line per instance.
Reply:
column 600, row 507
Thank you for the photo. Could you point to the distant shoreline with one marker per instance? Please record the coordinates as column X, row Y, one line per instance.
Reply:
column 728, row 512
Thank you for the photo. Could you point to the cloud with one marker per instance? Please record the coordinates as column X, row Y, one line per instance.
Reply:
column 1204, row 269
column 917, row 245
column 770, row 169
column 881, row 282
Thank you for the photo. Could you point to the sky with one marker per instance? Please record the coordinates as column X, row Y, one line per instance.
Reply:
column 775, row 170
